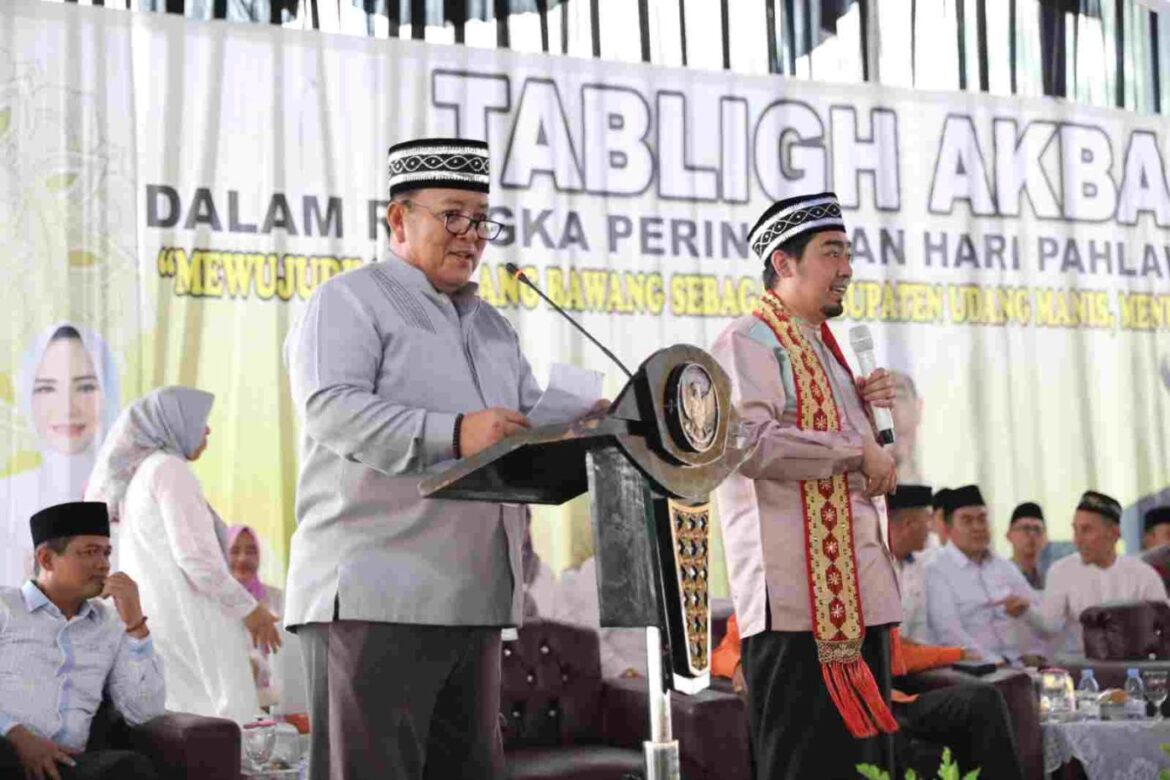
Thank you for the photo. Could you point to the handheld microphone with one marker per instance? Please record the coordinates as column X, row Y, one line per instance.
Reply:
column 519, row 275
column 862, row 343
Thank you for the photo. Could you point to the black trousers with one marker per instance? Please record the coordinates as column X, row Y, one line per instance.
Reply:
column 971, row 719
column 796, row 731
column 402, row 701
column 92, row 765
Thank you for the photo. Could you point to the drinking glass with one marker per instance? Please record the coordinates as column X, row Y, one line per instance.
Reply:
column 1056, row 690
column 1155, row 682
column 259, row 742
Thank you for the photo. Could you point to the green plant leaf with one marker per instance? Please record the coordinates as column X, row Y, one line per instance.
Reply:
column 949, row 770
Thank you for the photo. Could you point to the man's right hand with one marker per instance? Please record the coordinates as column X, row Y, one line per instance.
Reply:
column 261, row 624
column 39, row 756
column 480, row 430
column 1013, row 605
column 881, row 473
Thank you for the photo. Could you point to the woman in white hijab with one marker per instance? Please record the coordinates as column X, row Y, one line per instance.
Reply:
column 67, row 390
column 172, row 543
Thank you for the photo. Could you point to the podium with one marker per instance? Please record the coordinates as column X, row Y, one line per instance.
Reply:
column 649, row 464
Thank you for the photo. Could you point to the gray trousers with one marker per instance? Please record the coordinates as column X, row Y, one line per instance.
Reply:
column 403, row 702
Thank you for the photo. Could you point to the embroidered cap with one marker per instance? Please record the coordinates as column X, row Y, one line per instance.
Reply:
column 450, row 163
column 786, row 219
column 76, row 518
column 1106, row 506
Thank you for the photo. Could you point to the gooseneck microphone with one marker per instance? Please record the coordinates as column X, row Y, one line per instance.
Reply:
column 862, row 343
column 522, row 277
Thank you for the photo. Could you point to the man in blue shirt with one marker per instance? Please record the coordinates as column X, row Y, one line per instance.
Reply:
column 62, row 649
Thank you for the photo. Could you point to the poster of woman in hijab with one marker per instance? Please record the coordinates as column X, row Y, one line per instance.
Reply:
column 68, row 395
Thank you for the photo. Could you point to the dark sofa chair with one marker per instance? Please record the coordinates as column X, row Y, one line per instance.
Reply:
column 1122, row 636
column 181, row 746
column 562, row 720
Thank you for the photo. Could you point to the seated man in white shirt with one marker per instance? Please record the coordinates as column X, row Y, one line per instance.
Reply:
column 61, row 648
column 967, row 586
column 910, row 516
column 1096, row 575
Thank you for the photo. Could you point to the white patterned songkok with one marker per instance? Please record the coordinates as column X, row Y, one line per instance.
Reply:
column 450, row 163
column 786, row 219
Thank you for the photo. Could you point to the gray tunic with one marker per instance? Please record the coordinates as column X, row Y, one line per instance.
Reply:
column 380, row 364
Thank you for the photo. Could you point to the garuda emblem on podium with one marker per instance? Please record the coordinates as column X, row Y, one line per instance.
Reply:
column 697, row 407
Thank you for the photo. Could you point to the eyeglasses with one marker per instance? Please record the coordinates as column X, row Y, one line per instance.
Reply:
column 458, row 224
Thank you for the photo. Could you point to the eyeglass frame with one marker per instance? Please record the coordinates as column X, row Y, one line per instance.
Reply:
column 472, row 222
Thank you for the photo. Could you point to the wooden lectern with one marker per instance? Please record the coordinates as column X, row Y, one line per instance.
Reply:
column 649, row 464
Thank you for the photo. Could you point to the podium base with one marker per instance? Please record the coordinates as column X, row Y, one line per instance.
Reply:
column 661, row 760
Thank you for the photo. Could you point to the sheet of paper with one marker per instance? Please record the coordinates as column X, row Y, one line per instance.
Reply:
column 570, row 393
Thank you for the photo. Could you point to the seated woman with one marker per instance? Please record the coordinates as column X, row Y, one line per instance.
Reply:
column 244, row 560
column 201, row 616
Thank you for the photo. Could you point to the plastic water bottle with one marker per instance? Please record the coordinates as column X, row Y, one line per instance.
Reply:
column 1135, row 689
column 1087, row 694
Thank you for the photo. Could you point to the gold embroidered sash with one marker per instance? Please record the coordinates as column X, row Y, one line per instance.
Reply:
column 838, row 617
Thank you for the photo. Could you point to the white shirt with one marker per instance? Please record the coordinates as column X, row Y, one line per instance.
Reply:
column 1073, row 586
column 170, row 548
column 960, row 596
column 911, row 579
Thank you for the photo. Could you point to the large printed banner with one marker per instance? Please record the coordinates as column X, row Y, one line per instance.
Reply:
column 171, row 194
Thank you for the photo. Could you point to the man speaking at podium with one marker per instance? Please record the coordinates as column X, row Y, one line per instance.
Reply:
column 812, row 580
column 396, row 367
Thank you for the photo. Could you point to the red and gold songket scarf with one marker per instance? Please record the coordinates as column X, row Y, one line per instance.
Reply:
column 834, row 596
